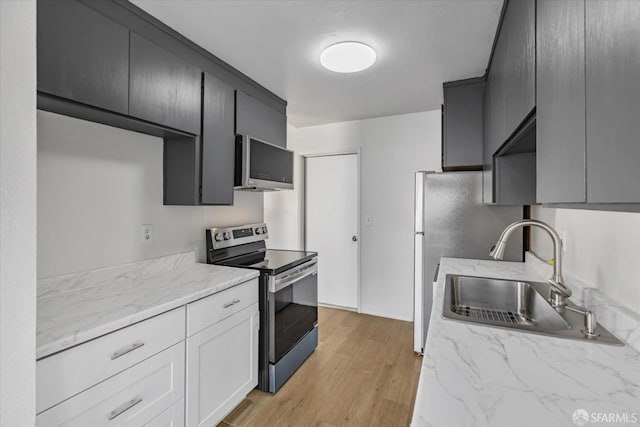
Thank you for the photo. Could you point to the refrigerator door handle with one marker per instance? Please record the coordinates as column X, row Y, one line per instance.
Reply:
column 418, row 210
column 418, row 264
column 418, row 296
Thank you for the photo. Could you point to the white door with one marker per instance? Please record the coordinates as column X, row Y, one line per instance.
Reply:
column 331, row 226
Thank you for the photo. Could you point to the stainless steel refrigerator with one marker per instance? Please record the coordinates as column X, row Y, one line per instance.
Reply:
column 451, row 221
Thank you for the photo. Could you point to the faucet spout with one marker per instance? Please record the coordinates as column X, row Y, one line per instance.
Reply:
column 556, row 280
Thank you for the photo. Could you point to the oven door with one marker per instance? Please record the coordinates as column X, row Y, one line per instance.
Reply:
column 293, row 307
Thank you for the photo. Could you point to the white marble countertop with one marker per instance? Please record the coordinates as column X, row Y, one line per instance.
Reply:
column 474, row 375
column 79, row 307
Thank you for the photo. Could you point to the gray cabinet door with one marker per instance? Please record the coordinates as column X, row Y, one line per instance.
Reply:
column 519, row 29
column 494, row 116
column 218, row 142
column 498, row 79
column 515, row 176
column 463, row 105
column 82, row 55
column 510, row 92
column 612, row 100
column 487, row 156
column 560, row 113
column 163, row 89
column 260, row 121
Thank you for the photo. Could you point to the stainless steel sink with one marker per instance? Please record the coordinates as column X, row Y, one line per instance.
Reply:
column 516, row 305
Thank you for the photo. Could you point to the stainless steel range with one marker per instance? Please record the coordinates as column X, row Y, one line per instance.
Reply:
column 288, row 297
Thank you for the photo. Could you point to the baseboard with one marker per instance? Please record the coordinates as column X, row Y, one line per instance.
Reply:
column 338, row 307
column 389, row 316
column 370, row 313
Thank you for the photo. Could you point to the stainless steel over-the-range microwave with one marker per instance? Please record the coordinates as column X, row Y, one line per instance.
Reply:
column 261, row 166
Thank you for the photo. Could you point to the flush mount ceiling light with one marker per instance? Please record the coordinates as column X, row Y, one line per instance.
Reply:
column 348, row 57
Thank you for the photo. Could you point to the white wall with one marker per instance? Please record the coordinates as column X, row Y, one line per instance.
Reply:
column 601, row 249
column 391, row 150
column 97, row 185
column 17, row 212
column 283, row 209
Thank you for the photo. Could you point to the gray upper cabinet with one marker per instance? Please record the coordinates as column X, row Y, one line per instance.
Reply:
column 586, row 56
column 487, row 156
column 218, row 147
column 462, row 130
column 199, row 170
column 497, row 88
column 494, row 115
column 82, row 55
column 520, row 67
column 163, row 89
column 259, row 120
column 509, row 95
column 613, row 100
column 110, row 62
column 560, row 113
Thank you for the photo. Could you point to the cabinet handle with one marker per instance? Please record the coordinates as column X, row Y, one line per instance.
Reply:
column 124, row 407
column 126, row 350
column 229, row 304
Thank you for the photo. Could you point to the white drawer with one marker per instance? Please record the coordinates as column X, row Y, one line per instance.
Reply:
column 131, row 398
column 65, row 374
column 212, row 309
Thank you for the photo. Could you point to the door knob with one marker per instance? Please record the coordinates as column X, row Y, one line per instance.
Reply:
column 354, row 238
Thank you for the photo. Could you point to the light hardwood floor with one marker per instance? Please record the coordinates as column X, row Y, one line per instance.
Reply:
column 363, row 373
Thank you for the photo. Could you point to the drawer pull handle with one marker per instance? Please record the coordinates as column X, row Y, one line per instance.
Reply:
column 126, row 350
column 124, row 407
column 229, row 304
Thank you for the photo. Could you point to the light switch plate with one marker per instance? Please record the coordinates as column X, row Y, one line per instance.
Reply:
column 368, row 220
column 146, row 233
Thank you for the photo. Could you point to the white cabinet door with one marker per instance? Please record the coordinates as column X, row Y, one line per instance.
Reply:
column 222, row 367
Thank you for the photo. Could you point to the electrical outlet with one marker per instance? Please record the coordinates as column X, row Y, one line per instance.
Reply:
column 146, row 233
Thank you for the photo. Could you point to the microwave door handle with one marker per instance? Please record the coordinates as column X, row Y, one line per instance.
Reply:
column 246, row 164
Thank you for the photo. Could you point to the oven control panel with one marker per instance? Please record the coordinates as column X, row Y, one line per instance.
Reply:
column 218, row 238
column 242, row 232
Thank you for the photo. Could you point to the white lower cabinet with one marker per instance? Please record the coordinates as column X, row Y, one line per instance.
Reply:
column 222, row 366
column 130, row 398
column 137, row 376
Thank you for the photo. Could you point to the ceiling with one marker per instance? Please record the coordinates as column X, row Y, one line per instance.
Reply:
column 278, row 43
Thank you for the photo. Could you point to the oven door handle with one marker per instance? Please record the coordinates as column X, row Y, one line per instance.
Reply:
column 281, row 281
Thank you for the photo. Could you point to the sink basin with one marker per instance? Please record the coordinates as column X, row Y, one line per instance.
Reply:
column 513, row 304
column 501, row 302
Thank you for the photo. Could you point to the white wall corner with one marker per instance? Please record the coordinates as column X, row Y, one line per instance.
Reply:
column 17, row 212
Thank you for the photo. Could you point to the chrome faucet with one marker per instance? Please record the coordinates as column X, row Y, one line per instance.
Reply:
column 559, row 292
